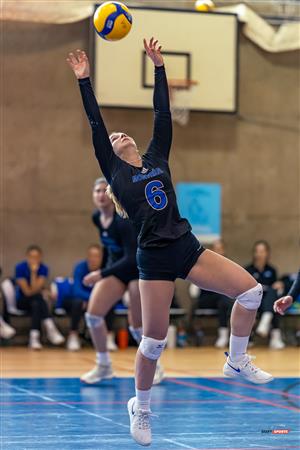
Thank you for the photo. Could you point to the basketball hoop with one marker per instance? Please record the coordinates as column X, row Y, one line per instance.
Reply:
column 179, row 99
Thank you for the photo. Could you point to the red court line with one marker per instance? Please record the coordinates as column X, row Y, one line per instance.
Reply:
column 231, row 394
column 157, row 402
column 257, row 388
column 242, row 448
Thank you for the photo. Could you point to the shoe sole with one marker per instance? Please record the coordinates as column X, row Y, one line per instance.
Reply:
column 129, row 403
column 239, row 375
column 98, row 381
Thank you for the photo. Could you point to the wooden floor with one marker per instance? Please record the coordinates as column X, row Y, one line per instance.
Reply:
column 20, row 362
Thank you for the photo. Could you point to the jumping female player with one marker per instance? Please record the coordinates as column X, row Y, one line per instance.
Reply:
column 283, row 303
column 166, row 247
column 119, row 274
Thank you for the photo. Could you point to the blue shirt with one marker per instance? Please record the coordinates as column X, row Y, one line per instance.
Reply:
column 22, row 270
column 79, row 289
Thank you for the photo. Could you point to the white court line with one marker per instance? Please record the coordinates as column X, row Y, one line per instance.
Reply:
column 49, row 399
column 178, row 443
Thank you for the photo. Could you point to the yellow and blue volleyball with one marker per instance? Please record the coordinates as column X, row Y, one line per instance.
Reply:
column 204, row 5
column 112, row 21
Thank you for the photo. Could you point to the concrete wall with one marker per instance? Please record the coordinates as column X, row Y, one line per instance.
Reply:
column 47, row 162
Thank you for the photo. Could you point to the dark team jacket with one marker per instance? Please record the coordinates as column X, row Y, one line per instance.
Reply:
column 147, row 193
column 266, row 277
column 120, row 244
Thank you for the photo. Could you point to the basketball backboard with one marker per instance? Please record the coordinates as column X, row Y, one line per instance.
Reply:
column 196, row 46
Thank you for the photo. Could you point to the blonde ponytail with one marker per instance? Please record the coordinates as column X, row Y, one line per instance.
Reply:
column 120, row 210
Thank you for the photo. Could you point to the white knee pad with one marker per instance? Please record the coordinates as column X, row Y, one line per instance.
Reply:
column 251, row 299
column 152, row 348
column 93, row 321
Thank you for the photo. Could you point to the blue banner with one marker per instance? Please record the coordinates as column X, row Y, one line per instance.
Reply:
column 200, row 203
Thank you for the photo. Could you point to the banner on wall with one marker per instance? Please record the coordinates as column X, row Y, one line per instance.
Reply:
column 200, row 204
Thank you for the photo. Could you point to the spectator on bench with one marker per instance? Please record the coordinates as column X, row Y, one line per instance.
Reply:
column 76, row 305
column 6, row 331
column 31, row 277
column 266, row 274
column 223, row 304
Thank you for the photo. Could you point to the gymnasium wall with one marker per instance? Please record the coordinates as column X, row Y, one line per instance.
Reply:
column 48, row 167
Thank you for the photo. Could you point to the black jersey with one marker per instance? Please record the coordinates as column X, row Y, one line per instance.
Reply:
column 120, row 243
column 147, row 193
column 295, row 289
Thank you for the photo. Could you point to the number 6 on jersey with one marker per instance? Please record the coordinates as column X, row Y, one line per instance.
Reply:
column 155, row 196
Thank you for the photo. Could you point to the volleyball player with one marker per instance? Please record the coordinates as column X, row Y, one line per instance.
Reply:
column 143, row 189
column 120, row 273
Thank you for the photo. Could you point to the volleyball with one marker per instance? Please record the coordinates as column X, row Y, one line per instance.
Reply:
column 112, row 21
column 204, row 5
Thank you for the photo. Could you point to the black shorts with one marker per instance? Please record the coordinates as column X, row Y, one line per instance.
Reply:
column 170, row 262
column 129, row 275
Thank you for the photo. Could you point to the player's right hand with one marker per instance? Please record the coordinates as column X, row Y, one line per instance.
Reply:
column 281, row 305
column 91, row 278
column 79, row 63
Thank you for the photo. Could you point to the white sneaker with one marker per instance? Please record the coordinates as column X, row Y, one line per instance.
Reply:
column 276, row 342
column 159, row 373
column 73, row 343
column 245, row 369
column 6, row 331
column 223, row 337
column 111, row 344
column 53, row 335
column 97, row 374
column 264, row 325
column 34, row 340
column 140, row 427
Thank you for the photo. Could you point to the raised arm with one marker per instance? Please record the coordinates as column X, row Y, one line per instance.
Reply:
column 103, row 150
column 282, row 304
column 295, row 289
column 162, row 134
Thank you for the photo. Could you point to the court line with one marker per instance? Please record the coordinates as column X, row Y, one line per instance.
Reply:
column 66, row 405
column 286, row 393
column 262, row 447
column 178, row 443
column 257, row 388
column 231, row 394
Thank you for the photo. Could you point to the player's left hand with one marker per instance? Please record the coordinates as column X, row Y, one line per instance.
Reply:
column 281, row 305
column 153, row 51
column 92, row 278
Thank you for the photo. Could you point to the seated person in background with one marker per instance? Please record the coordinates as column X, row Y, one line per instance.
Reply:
column 31, row 277
column 76, row 305
column 6, row 331
column 266, row 274
column 223, row 304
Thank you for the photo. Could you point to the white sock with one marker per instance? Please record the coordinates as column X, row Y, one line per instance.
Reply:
column 237, row 347
column 143, row 399
column 136, row 333
column 35, row 334
column 103, row 358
